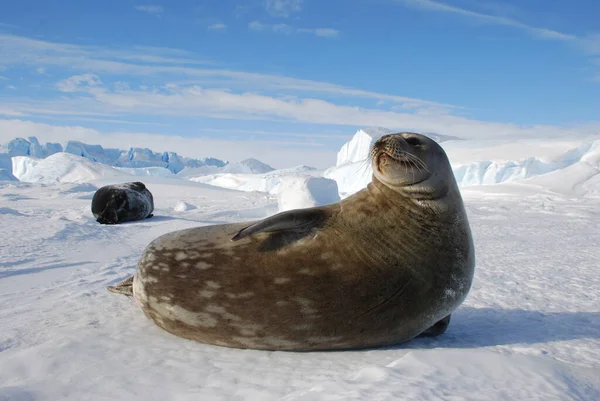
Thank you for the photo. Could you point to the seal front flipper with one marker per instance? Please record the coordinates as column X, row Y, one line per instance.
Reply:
column 437, row 329
column 291, row 220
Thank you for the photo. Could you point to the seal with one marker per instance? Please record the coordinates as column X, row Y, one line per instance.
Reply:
column 114, row 204
column 379, row 268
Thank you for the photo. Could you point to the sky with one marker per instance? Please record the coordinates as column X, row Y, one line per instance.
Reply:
column 289, row 81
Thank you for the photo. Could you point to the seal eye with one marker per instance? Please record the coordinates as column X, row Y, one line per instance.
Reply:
column 413, row 141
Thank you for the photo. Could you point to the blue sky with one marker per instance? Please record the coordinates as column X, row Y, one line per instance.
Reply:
column 284, row 79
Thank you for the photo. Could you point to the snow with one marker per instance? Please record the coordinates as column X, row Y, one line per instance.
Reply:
column 529, row 329
column 297, row 192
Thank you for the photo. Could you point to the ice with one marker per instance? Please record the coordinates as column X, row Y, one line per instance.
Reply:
column 132, row 158
column 6, row 170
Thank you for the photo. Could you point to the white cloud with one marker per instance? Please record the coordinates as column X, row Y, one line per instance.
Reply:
column 283, row 8
column 99, row 60
column 16, row 49
column 278, row 28
column 278, row 154
column 287, row 29
column 10, row 112
column 41, row 70
column 217, row 27
column 150, row 9
column 195, row 101
column 323, row 32
column 78, row 83
column 499, row 20
column 11, row 87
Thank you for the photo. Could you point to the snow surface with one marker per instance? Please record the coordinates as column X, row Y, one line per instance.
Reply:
column 529, row 329
column 298, row 192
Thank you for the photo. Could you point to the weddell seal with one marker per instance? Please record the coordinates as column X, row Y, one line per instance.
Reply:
column 114, row 204
column 381, row 267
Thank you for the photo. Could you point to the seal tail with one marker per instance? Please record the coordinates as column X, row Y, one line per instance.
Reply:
column 125, row 287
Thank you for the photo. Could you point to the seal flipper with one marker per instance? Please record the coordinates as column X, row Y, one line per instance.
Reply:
column 291, row 220
column 125, row 287
column 437, row 329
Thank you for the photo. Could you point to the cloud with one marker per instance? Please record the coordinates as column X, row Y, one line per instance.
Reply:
column 431, row 5
column 283, row 8
column 195, row 101
column 217, row 27
column 10, row 112
column 151, row 9
column 287, row 29
column 17, row 50
column 278, row 28
column 277, row 153
column 78, row 83
column 323, row 32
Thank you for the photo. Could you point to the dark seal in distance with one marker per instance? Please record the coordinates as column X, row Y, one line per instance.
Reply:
column 114, row 204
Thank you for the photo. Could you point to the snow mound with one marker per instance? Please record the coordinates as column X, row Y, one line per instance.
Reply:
column 298, row 192
column 147, row 171
column 64, row 167
column 248, row 166
column 182, row 206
